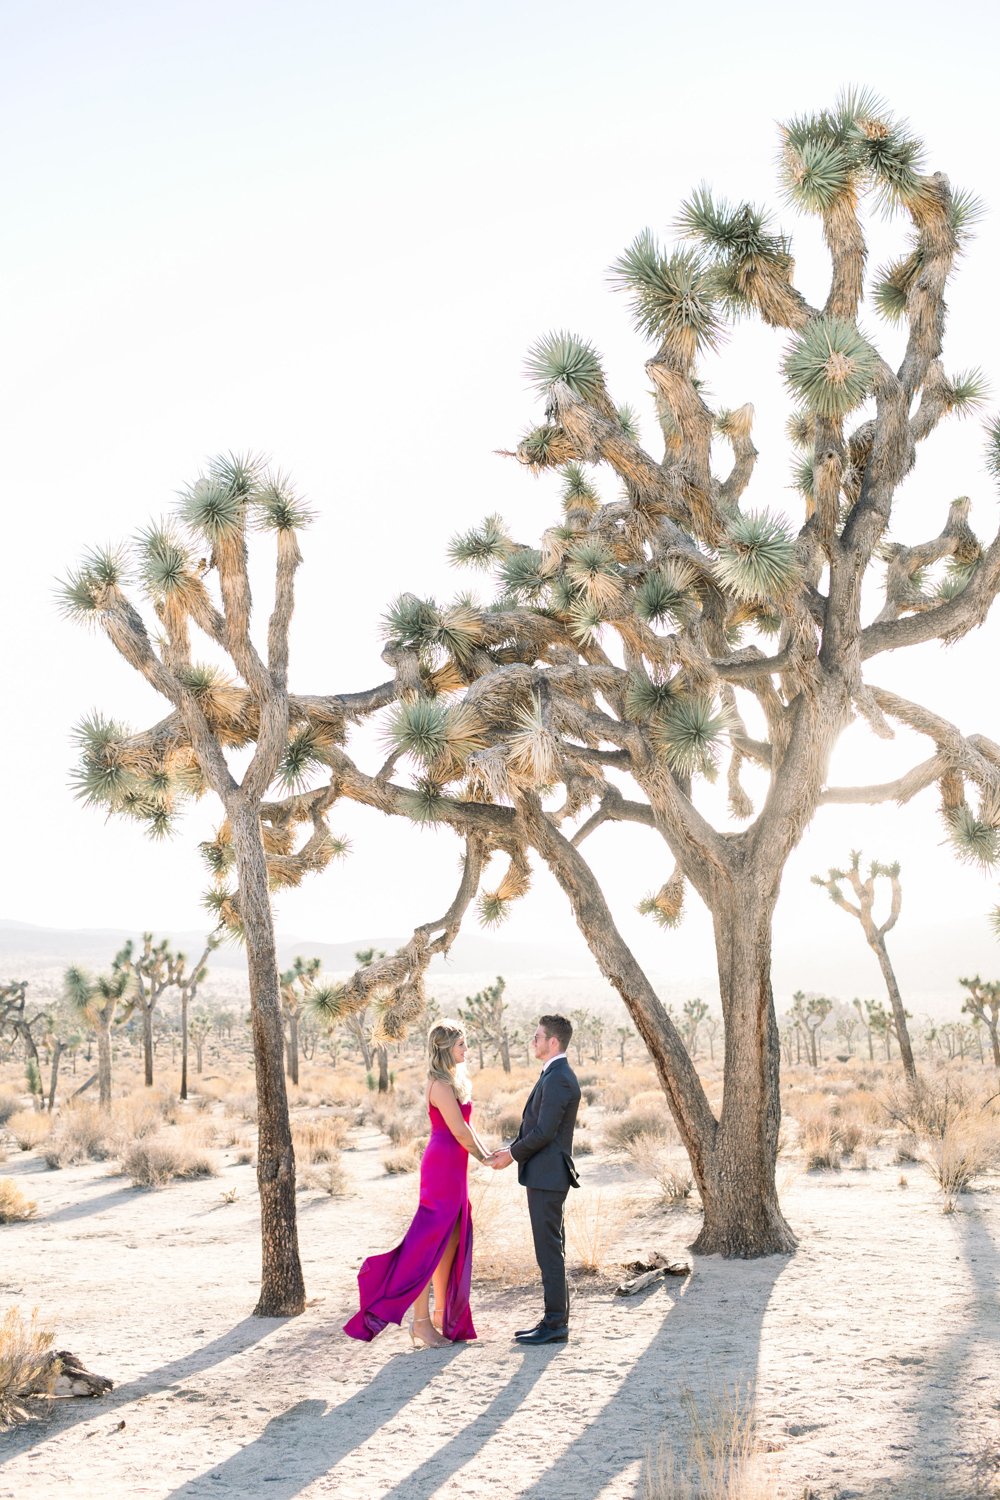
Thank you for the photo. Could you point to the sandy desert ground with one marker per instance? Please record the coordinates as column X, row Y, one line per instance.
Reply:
column 872, row 1352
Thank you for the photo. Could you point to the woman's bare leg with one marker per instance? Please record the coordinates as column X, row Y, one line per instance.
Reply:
column 442, row 1271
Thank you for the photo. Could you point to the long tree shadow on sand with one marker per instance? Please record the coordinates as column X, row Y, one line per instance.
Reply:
column 234, row 1341
column 947, row 1382
column 308, row 1440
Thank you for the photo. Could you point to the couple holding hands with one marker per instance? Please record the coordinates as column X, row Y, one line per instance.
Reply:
column 435, row 1255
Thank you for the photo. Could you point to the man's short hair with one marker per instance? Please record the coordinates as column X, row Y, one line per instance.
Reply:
column 559, row 1027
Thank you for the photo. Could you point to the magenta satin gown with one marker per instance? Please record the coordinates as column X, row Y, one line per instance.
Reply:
column 390, row 1284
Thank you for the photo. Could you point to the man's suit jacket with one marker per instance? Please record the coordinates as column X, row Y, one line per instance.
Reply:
column 543, row 1148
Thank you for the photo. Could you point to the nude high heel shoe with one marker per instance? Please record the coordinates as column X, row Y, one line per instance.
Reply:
column 430, row 1338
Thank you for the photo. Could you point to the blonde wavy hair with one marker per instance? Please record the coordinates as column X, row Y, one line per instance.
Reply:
column 440, row 1065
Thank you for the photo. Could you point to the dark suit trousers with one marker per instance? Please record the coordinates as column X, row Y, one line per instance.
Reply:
column 548, row 1230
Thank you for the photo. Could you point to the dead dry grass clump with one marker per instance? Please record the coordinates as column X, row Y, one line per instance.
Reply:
column 24, row 1364
column 329, row 1178
column 81, row 1133
column 504, row 1251
column 642, row 1120
column 403, row 1159
column 968, row 1148
column 242, row 1103
column 29, row 1127
column 594, row 1222
column 154, row 1160
column 722, row 1458
column 9, row 1105
column 624, row 1089
column 653, row 1158
column 14, row 1206
column 930, row 1105
column 317, row 1141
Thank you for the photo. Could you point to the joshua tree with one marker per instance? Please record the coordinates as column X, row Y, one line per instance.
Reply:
column 155, row 968
column 484, row 1016
column 809, row 1012
column 106, row 1000
column 695, row 1012
column 188, row 984
column 296, row 984
column 983, row 1004
column 845, row 1027
column 200, row 1027
column 147, row 775
column 864, row 890
column 632, row 639
column 19, row 1022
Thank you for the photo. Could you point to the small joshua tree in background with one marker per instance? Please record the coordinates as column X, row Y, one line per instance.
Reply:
column 875, row 933
column 983, row 1004
column 296, row 986
column 106, row 1001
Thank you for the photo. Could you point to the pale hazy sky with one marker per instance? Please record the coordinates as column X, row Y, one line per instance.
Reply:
column 331, row 236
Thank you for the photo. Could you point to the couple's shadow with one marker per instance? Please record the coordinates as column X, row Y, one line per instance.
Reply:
column 719, row 1323
column 307, row 1441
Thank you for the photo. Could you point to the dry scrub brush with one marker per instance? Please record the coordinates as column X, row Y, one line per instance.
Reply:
column 403, row 1158
column 669, row 1170
column 594, row 1222
column 504, row 1251
column 14, row 1206
column 29, row 1127
column 722, row 1459
column 329, row 1178
column 154, row 1160
column 24, row 1364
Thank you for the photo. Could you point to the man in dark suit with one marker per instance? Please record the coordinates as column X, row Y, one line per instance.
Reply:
column 543, row 1150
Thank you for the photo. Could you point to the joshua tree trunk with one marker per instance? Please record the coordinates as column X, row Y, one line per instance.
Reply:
column 505, row 1052
column 58, row 1048
column 147, row 1043
column 282, row 1291
column 184, row 1044
column 104, row 1063
column 896, row 1001
column 293, row 1048
column 382, row 1053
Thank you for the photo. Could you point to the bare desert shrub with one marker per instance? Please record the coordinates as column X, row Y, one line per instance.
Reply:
column 29, row 1127
column 317, row 1141
column 722, row 1459
column 653, row 1159
column 907, row 1150
column 14, row 1206
column 82, row 1133
column 242, row 1103
column 620, row 1132
column 402, row 1158
column 583, row 1144
column 967, row 1148
column 821, row 1148
column 929, row 1106
column 594, row 1222
column 619, row 1093
column 9, row 1105
column 153, row 1161
column 504, row 1251
column 24, row 1364
column 329, row 1178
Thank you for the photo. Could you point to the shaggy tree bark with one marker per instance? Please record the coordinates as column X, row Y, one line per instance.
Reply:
column 647, row 635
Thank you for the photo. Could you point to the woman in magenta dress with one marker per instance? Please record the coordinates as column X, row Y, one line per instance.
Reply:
column 436, row 1251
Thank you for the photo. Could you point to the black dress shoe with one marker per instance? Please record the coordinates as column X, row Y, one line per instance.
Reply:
column 547, row 1334
column 520, row 1332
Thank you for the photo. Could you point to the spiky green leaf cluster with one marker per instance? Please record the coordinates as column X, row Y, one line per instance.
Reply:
column 411, row 623
column 564, row 357
column 585, row 621
column 480, row 546
column 689, row 734
column 214, row 509
column 830, row 367
column 419, row 728
column 742, row 242
column 628, row 421
column 424, row 803
column 327, row 1003
column 665, row 593
column 94, row 586
column 758, row 561
column 801, row 429
column 521, row 573
column 968, row 392
column 974, row 841
column 955, row 580
column 673, row 295
column 577, row 492
column 993, row 449
column 220, row 857
column 536, row 447
column 277, row 506
column 964, row 211
column 857, row 143
column 492, row 910
column 804, row 478
column 892, row 285
column 303, row 755
column 646, row 697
